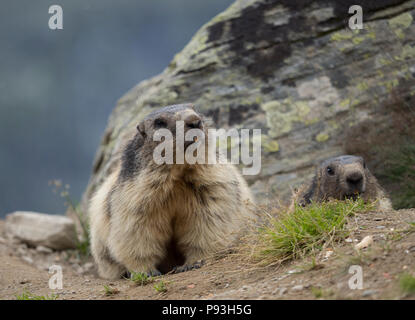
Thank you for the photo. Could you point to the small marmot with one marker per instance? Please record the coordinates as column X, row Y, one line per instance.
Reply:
column 341, row 178
column 154, row 218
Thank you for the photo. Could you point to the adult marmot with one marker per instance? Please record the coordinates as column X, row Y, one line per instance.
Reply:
column 149, row 217
column 340, row 178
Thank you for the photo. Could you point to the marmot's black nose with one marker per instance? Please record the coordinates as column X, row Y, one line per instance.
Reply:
column 354, row 179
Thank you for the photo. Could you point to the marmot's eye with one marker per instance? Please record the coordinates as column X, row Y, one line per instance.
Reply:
column 195, row 125
column 330, row 171
column 160, row 123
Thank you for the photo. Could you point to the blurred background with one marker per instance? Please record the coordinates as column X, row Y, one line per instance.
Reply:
column 58, row 87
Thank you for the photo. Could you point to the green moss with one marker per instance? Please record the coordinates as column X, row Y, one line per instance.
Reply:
column 322, row 137
column 390, row 84
column 349, row 103
column 269, row 144
column 333, row 124
column 345, row 103
column 384, row 61
column 362, row 86
column 408, row 52
column 358, row 40
column 281, row 115
column 355, row 36
column 399, row 23
column 311, row 121
column 371, row 35
column 402, row 21
column 380, row 73
column 400, row 34
column 341, row 35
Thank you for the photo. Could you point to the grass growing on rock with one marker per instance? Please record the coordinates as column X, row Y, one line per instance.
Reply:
column 306, row 229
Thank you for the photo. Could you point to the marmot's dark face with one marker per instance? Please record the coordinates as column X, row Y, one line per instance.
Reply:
column 342, row 177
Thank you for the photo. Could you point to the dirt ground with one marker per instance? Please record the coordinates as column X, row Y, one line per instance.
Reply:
column 234, row 277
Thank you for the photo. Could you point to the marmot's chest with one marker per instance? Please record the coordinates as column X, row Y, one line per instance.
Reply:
column 185, row 206
column 188, row 197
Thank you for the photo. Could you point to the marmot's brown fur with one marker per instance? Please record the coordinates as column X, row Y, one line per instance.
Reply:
column 152, row 218
column 341, row 178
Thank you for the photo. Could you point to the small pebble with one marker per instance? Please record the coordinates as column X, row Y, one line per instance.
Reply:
column 297, row 288
column 368, row 293
column 366, row 242
column 279, row 291
column 27, row 259
column 43, row 249
column 88, row 266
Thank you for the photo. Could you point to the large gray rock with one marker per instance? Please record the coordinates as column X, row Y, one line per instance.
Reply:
column 38, row 229
column 294, row 69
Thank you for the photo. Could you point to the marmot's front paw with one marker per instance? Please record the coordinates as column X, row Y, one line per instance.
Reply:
column 154, row 273
column 186, row 267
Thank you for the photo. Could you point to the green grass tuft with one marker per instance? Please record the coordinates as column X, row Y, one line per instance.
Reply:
column 141, row 278
column 407, row 283
column 160, row 286
column 110, row 291
column 26, row 295
column 293, row 235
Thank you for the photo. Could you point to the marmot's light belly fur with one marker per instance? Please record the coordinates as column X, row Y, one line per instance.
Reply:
column 340, row 178
column 149, row 218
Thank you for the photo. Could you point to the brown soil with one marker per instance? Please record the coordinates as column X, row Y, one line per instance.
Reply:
column 234, row 277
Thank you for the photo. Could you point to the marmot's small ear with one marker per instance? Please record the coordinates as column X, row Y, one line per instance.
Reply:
column 141, row 129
